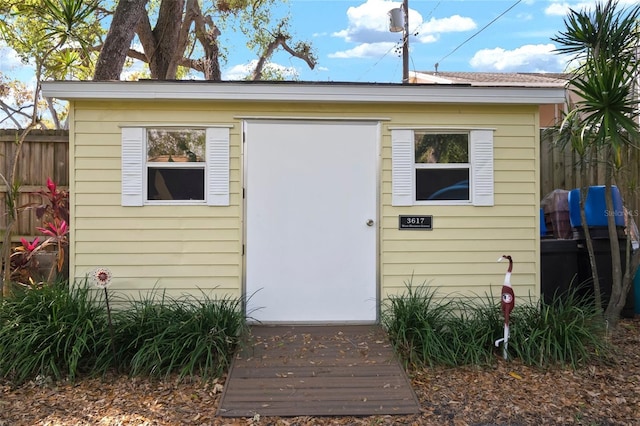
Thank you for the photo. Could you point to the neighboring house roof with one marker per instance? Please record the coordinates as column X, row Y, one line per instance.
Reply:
column 303, row 92
column 492, row 79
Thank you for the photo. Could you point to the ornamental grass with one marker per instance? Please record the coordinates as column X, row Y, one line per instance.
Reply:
column 59, row 331
column 428, row 330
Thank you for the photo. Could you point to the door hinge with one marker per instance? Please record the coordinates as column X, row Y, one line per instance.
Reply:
column 243, row 193
column 243, row 249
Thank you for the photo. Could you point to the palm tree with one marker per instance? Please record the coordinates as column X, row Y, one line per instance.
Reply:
column 604, row 43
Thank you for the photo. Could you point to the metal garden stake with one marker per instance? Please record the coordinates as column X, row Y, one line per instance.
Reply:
column 507, row 302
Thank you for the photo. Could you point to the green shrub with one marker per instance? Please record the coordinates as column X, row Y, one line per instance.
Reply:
column 51, row 331
column 418, row 325
column 568, row 331
column 452, row 331
column 158, row 336
column 61, row 332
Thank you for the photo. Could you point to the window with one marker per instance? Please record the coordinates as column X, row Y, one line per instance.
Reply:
column 175, row 166
column 442, row 167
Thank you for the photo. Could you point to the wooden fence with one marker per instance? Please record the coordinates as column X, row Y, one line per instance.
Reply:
column 559, row 170
column 44, row 154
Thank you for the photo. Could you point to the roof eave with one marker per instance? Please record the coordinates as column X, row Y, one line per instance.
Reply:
column 300, row 92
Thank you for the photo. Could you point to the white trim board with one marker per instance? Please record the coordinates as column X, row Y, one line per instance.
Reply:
column 301, row 92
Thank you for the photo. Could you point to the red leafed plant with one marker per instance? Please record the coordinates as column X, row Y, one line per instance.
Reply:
column 53, row 212
column 55, row 203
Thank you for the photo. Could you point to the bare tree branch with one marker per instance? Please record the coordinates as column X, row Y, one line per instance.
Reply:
column 301, row 51
column 11, row 112
column 54, row 113
column 210, row 64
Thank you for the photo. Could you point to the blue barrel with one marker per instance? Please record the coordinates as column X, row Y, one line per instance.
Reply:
column 595, row 207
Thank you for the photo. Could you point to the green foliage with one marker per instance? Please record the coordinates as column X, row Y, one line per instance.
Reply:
column 605, row 42
column 55, row 36
column 188, row 335
column 442, row 148
column 569, row 331
column 416, row 323
column 51, row 331
column 428, row 330
column 60, row 332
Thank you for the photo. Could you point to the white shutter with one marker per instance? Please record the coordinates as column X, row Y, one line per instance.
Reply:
column 402, row 167
column 218, row 166
column 132, row 166
column 482, row 167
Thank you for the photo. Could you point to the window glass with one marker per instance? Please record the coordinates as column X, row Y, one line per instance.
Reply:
column 175, row 184
column 175, row 145
column 442, row 169
column 442, row 148
column 176, row 164
column 442, row 184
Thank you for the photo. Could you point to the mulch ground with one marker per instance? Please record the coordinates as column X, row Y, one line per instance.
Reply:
column 508, row 393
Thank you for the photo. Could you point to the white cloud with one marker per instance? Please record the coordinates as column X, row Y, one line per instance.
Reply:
column 561, row 8
column 524, row 16
column 9, row 60
column 527, row 58
column 365, row 50
column 369, row 22
column 455, row 23
column 241, row 71
column 369, row 27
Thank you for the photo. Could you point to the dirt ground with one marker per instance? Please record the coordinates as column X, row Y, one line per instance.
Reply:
column 506, row 394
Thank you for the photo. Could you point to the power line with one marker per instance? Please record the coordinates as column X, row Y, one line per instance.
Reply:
column 476, row 33
column 377, row 62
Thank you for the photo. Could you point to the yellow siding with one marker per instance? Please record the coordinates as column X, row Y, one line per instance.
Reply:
column 189, row 249
column 459, row 256
column 183, row 249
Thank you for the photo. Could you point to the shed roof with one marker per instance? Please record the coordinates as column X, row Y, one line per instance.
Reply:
column 493, row 79
column 334, row 92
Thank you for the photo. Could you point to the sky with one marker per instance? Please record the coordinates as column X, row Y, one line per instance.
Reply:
column 353, row 43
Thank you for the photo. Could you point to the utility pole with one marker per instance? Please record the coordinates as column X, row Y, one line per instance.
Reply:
column 395, row 26
column 405, row 43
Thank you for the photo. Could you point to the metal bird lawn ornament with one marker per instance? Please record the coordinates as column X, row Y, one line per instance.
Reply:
column 507, row 302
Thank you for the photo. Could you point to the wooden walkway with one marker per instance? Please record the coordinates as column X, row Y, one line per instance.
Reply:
column 317, row 371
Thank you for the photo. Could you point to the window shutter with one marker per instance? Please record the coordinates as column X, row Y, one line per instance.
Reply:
column 482, row 167
column 402, row 167
column 132, row 166
column 218, row 166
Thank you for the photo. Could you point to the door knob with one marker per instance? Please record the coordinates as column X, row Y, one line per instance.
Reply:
column 370, row 222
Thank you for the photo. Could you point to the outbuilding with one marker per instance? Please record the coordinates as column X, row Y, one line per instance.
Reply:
column 313, row 201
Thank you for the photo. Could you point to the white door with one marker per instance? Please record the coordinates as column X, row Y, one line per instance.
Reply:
column 310, row 194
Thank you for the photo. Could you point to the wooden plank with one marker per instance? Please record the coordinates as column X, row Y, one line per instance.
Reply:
column 44, row 154
column 317, row 371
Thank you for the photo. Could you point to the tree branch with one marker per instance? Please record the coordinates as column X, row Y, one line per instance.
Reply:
column 301, row 51
column 210, row 64
column 126, row 17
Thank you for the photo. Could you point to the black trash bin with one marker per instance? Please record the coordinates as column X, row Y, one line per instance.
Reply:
column 558, row 267
column 602, row 252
